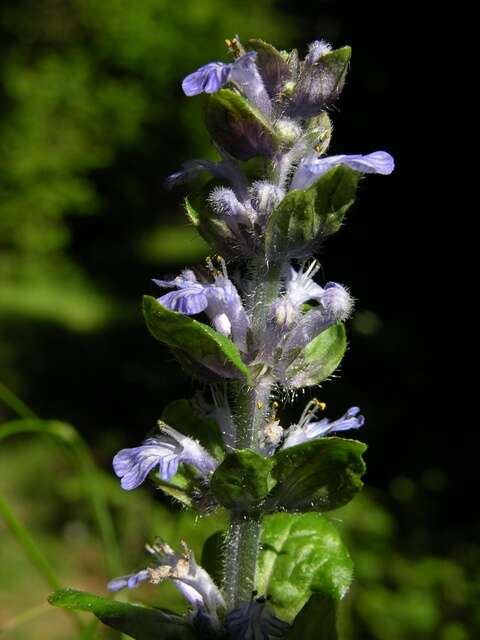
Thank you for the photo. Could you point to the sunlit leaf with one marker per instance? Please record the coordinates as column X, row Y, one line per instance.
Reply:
column 242, row 480
column 198, row 340
column 304, row 218
column 318, row 359
column 301, row 555
column 321, row 475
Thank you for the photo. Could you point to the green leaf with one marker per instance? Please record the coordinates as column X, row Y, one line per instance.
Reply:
column 301, row 555
column 318, row 359
column 319, row 132
column 273, row 67
column 320, row 84
column 180, row 486
column 180, row 415
column 238, row 127
column 322, row 474
column 137, row 621
column 243, row 479
column 317, row 619
column 198, row 340
column 195, row 369
column 213, row 230
column 212, row 556
column 305, row 217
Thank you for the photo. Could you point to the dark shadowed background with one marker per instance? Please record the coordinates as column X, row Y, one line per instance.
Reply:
column 92, row 120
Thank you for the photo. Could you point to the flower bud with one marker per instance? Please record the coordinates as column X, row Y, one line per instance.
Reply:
column 265, row 197
column 288, row 131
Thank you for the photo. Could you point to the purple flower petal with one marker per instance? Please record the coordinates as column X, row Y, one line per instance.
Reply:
column 130, row 581
column 133, row 465
column 308, row 172
column 188, row 301
column 208, row 79
column 351, row 420
column 307, row 429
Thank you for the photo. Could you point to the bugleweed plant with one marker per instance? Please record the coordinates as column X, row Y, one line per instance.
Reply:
column 255, row 327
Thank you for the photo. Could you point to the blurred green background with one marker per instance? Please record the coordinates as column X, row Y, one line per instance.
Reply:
column 92, row 120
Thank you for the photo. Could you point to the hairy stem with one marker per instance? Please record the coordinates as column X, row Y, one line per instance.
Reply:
column 253, row 406
column 240, row 558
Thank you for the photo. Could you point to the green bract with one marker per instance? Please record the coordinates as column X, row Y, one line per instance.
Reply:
column 181, row 486
column 318, row 359
column 238, row 127
column 199, row 341
column 301, row 555
column 137, row 621
column 321, row 474
column 213, row 230
column 243, row 480
column 320, row 84
column 304, row 218
column 272, row 65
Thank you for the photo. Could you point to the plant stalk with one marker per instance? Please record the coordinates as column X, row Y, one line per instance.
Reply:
column 253, row 406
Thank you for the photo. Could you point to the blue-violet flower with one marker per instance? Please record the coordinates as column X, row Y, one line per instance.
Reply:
column 190, row 579
column 166, row 451
column 311, row 168
column 255, row 620
column 219, row 300
column 308, row 429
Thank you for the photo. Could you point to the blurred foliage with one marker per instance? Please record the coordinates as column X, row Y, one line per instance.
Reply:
column 83, row 84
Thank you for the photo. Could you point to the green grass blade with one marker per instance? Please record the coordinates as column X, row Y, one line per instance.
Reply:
column 71, row 439
column 14, row 402
column 36, row 557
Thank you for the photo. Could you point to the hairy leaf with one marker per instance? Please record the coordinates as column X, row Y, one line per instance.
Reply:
column 198, row 340
column 301, row 555
column 213, row 230
column 320, row 84
column 322, row 474
column 238, row 127
column 318, row 359
column 305, row 217
column 242, row 480
column 273, row 67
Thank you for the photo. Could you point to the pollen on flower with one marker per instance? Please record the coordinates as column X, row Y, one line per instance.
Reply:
column 272, row 432
column 233, row 46
column 159, row 574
